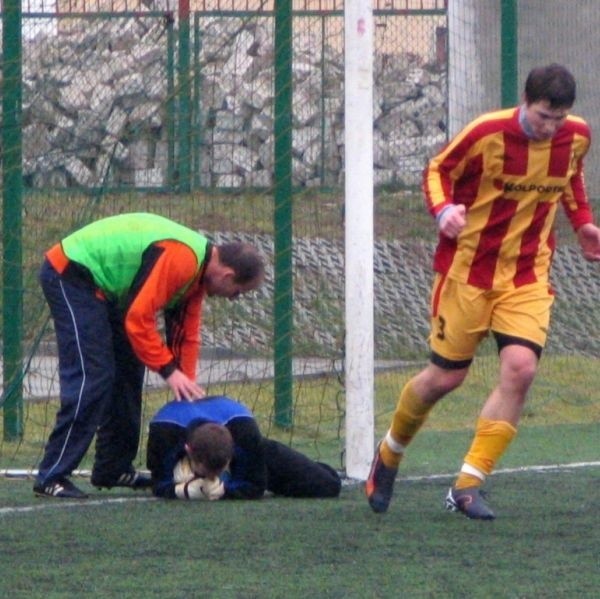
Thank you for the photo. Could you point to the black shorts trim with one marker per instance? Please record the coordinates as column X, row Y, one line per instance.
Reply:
column 503, row 340
column 447, row 364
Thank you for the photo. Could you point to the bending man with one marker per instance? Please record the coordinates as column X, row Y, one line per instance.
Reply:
column 106, row 285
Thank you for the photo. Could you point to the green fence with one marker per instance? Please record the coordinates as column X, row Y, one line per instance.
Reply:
column 232, row 122
column 192, row 119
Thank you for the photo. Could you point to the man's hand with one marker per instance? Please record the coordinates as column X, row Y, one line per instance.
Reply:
column 589, row 240
column 452, row 220
column 208, row 489
column 183, row 473
column 184, row 388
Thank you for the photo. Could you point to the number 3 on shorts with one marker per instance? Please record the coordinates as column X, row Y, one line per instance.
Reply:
column 441, row 326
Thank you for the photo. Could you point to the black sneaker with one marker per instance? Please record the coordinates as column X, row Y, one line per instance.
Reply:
column 380, row 484
column 62, row 489
column 470, row 502
column 132, row 480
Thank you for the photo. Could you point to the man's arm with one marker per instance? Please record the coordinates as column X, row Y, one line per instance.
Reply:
column 165, row 448
column 168, row 270
column 574, row 199
column 444, row 169
column 577, row 206
column 182, row 324
column 248, row 472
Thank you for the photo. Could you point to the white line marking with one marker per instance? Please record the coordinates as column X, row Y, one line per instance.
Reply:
column 50, row 503
column 545, row 468
column 541, row 468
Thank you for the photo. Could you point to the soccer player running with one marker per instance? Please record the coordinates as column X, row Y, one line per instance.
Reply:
column 106, row 284
column 494, row 191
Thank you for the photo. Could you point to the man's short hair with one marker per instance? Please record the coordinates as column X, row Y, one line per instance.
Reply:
column 211, row 445
column 553, row 83
column 245, row 261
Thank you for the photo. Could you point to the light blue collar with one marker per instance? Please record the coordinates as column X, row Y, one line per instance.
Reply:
column 524, row 124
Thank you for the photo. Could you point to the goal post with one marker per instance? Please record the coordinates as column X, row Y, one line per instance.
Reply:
column 359, row 237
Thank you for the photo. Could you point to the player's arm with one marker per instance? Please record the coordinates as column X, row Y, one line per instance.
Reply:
column 578, row 210
column 165, row 448
column 575, row 200
column 247, row 478
column 182, row 324
column 165, row 488
column 168, row 269
column 444, row 170
column 438, row 188
column 588, row 236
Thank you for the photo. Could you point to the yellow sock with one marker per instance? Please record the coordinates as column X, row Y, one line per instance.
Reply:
column 492, row 438
column 408, row 417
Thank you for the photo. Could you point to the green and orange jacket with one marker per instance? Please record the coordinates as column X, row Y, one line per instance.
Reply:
column 147, row 265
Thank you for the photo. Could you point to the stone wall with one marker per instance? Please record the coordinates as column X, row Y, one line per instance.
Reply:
column 96, row 96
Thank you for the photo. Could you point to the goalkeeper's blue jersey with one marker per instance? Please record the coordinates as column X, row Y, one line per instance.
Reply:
column 258, row 463
column 218, row 409
column 167, row 435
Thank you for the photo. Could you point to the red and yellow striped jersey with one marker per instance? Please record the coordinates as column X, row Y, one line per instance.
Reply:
column 511, row 186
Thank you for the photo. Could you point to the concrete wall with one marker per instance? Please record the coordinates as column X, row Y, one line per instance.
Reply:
column 548, row 31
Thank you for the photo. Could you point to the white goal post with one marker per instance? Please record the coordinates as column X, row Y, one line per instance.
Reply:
column 359, row 237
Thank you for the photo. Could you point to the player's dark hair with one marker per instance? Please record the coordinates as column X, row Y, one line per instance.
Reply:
column 553, row 83
column 210, row 444
column 245, row 261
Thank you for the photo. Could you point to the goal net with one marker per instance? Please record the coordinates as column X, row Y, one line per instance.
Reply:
column 133, row 109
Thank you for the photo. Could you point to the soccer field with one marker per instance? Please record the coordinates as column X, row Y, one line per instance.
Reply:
column 545, row 541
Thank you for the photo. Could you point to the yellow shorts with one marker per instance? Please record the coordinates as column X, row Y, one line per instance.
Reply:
column 462, row 315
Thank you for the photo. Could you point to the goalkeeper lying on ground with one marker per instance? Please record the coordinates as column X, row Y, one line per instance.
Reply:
column 212, row 448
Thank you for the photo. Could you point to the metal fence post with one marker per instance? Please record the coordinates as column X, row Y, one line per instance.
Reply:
column 509, row 53
column 12, row 190
column 283, row 308
column 184, row 88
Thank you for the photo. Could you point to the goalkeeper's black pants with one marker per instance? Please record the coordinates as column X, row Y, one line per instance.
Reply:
column 292, row 474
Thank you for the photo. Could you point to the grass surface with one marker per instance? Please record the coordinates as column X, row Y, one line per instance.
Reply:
column 544, row 543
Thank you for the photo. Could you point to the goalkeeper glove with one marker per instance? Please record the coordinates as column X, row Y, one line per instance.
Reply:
column 183, row 473
column 208, row 489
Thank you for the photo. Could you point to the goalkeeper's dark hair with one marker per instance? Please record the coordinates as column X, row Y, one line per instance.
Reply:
column 245, row 261
column 210, row 444
column 553, row 83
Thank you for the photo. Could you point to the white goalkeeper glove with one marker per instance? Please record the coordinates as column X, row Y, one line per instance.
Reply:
column 208, row 489
column 183, row 473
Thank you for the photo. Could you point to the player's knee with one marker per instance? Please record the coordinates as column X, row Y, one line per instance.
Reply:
column 519, row 369
column 445, row 381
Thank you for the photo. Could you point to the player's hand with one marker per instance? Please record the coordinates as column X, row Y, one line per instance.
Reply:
column 182, row 472
column 452, row 220
column 208, row 489
column 183, row 387
column 589, row 240
column 212, row 488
